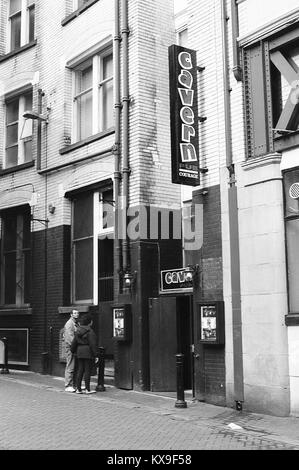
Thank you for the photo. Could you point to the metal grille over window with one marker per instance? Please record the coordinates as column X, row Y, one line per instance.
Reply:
column 294, row 191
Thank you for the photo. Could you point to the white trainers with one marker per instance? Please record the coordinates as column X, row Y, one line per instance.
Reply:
column 70, row 389
column 88, row 392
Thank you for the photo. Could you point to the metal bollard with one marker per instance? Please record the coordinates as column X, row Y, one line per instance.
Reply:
column 180, row 402
column 45, row 363
column 101, row 355
column 5, row 369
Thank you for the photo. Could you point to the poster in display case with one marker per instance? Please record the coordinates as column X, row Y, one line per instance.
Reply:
column 211, row 324
column 122, row 322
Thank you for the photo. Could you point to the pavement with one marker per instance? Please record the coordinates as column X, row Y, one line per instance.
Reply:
column 37, row 414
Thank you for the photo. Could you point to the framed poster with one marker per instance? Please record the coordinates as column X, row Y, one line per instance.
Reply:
column 211, row 322
column 122, row 322
column 17, row 344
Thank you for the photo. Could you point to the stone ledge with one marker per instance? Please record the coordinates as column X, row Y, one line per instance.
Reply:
column 270, row 159
column 16, row 311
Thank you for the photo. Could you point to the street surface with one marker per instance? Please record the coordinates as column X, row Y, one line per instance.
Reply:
column 37, row 414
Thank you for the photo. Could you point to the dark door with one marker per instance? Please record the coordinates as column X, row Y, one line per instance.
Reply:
column 199, row 372
column 163, row 344
column 185, row 337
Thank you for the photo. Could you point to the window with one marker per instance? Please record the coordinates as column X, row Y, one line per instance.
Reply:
column 15, row 257
column 21, row 23
column 93, row 97
column 18, row 148
column 105, row 246
column 271, row 93
column 92, row 247
column 291, row 188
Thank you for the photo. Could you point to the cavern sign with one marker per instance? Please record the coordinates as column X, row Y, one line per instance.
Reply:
column 175, row 280
column 183, row 115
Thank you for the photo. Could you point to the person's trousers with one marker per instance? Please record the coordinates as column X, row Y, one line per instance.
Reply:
column 70, row 366
column 84, row 368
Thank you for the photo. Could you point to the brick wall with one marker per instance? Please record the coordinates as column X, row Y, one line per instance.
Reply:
column 49, row 293
column 212, row 383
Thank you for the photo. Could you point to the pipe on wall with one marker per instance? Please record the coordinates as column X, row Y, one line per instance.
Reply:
column 233, row 223
column 125, row 129
column 40, row 96
column 237, row 69
column 116, row 149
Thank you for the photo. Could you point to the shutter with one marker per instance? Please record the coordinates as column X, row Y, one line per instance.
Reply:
column 256, row 101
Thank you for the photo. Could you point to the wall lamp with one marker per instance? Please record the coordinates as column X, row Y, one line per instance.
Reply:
column 191, row 272
column 129, row 280
column 35, row 115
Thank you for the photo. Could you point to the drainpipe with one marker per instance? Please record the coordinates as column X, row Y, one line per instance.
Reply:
column 125, row 130
column 237, row 69
column 116, row 149
column 233, row 224
column 40, row 96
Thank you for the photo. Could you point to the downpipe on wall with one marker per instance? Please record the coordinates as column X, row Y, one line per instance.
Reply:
column 233, row 224
column 116, row 149
column 125, row 127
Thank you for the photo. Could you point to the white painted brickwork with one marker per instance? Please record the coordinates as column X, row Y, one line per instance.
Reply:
column 46, row 64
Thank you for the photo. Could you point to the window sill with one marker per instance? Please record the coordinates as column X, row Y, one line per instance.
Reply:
column 17, row 51
column 86, row 141
column 15, row 311
column 77, row 12
column 13, row 169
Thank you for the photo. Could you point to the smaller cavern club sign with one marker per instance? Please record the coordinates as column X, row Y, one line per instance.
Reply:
column 183, row 115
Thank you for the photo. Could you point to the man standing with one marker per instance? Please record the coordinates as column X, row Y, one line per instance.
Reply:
column 69, row 332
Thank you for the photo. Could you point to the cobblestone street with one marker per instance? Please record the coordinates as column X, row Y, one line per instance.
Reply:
column 37, row 414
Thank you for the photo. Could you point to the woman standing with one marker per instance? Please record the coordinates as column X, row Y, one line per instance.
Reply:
column 86, row 352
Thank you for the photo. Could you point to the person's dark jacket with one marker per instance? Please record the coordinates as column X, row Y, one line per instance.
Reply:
column 86, row 342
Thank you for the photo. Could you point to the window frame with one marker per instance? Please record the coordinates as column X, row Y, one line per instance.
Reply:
column 99, row 233
column 261, row 137
column 25, row 25
column 290, row 217
column 97, row 95
column 20, row 251
column 23, row 124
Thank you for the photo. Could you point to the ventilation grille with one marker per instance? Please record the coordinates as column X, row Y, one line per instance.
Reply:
column 294, row 191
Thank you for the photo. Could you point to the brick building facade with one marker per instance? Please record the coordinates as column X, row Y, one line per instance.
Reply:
column 86, row 167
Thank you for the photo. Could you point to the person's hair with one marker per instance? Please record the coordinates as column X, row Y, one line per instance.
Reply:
column 75, row 311
column 86, row 319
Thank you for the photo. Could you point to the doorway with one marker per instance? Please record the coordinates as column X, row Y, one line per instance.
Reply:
column 170, row 333
column 185, row 337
